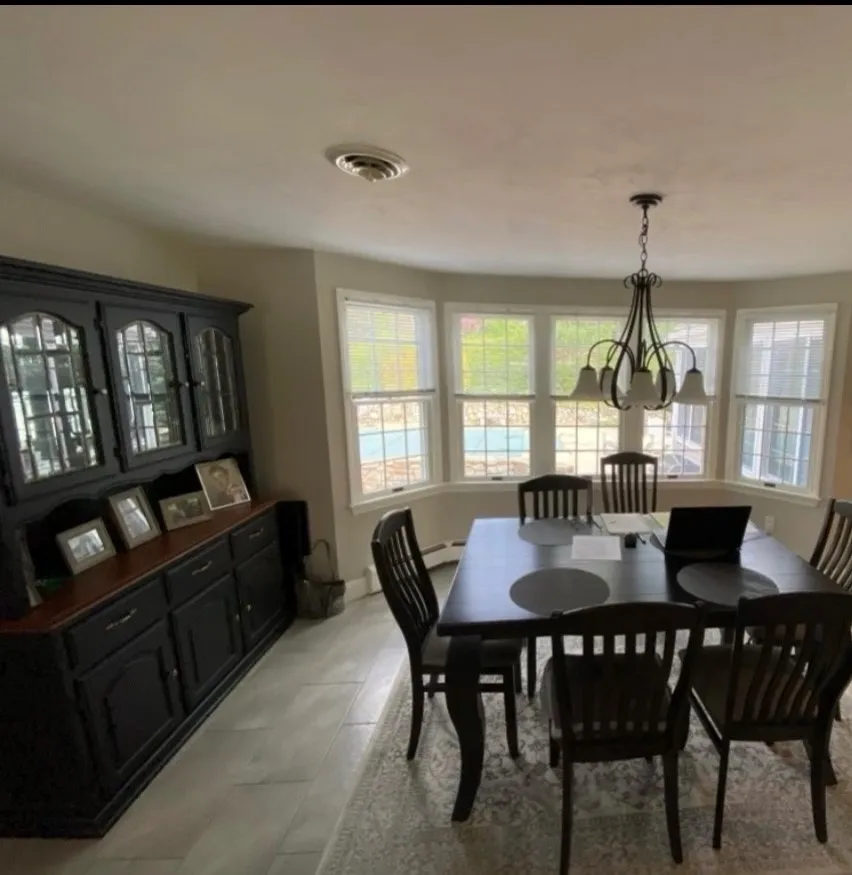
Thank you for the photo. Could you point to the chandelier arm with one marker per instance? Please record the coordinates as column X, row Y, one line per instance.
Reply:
column 686, row 346
column 629, row 326
column 610, row 340
column 657, row 348
column 625, row 351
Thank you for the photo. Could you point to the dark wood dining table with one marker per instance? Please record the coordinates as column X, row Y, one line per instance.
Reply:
column 480, row 606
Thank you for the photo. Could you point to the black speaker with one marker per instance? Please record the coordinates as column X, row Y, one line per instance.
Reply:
column 295, row 530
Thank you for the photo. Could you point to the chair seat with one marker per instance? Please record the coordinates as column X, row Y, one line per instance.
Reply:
column 632, row 683
column 497, row 654
column 710, row 679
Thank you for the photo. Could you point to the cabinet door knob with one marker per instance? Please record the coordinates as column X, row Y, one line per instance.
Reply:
column 99, row 390
column 174, row 673
column 248, row 608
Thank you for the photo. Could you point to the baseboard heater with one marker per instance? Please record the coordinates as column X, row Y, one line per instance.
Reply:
column 434, row 556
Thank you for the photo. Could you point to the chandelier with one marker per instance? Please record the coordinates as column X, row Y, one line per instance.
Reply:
column 627, row 378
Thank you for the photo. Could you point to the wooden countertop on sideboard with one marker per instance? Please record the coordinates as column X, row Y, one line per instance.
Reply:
column 80, row 594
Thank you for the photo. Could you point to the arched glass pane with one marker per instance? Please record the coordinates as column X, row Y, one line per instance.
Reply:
column 217, row 392
column 46, row 376
column 148, row 381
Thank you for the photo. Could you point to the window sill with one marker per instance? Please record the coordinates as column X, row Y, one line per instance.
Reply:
column 396, row 499
column 512, row 485
column 772, row 493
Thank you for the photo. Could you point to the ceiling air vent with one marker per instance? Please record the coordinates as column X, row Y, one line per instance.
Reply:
column 367, row 162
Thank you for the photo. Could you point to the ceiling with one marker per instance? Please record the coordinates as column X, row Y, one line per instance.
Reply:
column 526, row 128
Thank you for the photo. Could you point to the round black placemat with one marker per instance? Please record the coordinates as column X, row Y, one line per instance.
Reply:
column 548, row 533
column 723, row 584
column 558, row 589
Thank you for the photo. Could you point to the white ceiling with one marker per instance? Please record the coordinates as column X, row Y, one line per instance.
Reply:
column 526, row 128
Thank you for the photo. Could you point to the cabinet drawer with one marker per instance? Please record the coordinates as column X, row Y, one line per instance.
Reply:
column 192, row 575
column 101, row 634
column 248, row 540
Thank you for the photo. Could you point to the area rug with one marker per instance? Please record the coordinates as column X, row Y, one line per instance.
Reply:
column 397, row 821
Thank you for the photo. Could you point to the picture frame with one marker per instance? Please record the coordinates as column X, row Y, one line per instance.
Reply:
column 85, row 546
column 184, row 510
column 133, row 516
column 222, row 483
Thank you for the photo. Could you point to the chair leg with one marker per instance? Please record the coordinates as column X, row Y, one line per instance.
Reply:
column 519, row 681
column 670, row 762
column 837, row 716
column 433, row 682
column 554, row 746
column 819, row 761
column 417, row 694
column 531, row 666
column 511, row 713
column 720, row 795
column 567, row 816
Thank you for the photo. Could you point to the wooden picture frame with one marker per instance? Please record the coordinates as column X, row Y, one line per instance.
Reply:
column 85, row 546
column 222, row 483
column 184, row 510
column 133, row 516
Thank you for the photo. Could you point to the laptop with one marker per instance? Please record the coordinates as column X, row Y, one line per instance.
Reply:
column 704, row 532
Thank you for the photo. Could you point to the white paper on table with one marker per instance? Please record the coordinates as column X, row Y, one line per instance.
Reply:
column 596, row 547
column 625, row 523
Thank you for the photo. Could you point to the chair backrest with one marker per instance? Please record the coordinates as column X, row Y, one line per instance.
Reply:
column 833, row 552
column 555, row 495
column 794, row 684
column 633, row 682
column 405, row 581
column 626, row 485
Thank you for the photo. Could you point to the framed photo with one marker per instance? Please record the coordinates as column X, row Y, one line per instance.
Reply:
column 184, row 510
column 222, row 483
column 86, row 545
column 134, row 517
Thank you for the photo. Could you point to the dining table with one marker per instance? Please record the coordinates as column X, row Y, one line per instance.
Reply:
column 510, row 585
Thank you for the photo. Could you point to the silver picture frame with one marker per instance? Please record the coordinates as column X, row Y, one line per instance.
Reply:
column 133, row 516
column 85, row 546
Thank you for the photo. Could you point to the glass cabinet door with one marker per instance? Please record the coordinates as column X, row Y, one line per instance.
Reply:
column 149, row 375
column 215, row 359
column 55, row 406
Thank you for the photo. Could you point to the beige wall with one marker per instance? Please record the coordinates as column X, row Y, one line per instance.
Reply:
column 284, row 371
column 40, row 228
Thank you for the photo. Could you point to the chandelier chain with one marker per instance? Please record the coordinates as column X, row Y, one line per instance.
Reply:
column 643, row 243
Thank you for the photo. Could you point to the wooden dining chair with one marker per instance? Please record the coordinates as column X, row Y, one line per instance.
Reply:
column 832, row 556
column 552, row 496
column 603, row 705
column 411, row 597
column 629, row 483
column 555, row 496
column 771, row 692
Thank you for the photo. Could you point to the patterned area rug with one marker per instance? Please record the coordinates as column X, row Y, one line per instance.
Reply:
column 398, row 819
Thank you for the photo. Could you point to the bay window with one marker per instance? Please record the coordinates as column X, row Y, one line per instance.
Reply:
column 388, row 359
column 780, row 388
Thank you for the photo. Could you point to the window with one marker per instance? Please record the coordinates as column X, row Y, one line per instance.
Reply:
column 493, row 389
column 679, row 435
column 388, row 357
column 585, row 430
column 781, row 376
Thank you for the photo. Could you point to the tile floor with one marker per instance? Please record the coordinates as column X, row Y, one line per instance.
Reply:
column 259, row 788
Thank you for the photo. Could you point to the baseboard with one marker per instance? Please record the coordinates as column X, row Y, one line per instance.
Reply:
column 437, row 554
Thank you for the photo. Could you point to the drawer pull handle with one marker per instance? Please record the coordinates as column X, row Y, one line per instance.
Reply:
column 202, row 568
column 121, row 620
column 256, row 534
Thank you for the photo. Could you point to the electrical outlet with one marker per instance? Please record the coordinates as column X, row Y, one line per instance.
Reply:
column 769, row 525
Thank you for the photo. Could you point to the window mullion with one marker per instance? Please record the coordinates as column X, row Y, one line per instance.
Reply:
column 542, row 416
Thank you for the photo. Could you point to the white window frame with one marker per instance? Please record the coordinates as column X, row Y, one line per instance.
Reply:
column 452, row 315
column 711, row 453
column 736, row 414
column 543, row 400
column 430, row 399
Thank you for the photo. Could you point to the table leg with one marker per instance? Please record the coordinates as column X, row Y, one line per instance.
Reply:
column 464, row 703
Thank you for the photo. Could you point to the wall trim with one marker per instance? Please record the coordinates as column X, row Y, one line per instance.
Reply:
column 434, row 556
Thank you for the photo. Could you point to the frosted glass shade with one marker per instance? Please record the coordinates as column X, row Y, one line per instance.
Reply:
column 587, row 388
column 692, row 390
column 607, row 373
column 642, row 392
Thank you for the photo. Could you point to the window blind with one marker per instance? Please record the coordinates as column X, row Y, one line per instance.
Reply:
column 782, row 359
column 494, row 355
column 388, row 349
